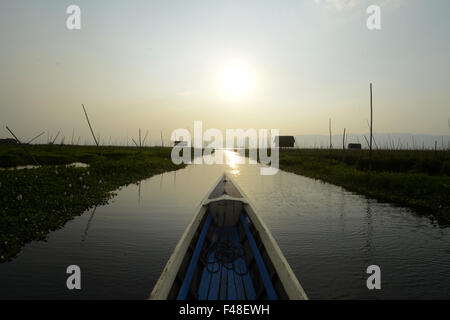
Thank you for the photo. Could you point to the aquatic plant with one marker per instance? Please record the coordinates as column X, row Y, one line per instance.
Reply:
column 35, row 201
column 417, row 179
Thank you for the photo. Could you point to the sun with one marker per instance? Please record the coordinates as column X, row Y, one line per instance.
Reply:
column 235, row 80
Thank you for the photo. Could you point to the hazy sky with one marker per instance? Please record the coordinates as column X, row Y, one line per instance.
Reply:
column 160, row 65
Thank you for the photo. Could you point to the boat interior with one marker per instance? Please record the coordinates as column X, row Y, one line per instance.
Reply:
column 226, row 259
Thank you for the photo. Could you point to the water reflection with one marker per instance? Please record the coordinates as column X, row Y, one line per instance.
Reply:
column 139, row 193
column 161, row 181
column 328, row 235
column 232, row 159
column 83, row 238
column 227, row 157
column 369, row 224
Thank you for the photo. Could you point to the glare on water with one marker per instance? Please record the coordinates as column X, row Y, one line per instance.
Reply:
column 232, row 159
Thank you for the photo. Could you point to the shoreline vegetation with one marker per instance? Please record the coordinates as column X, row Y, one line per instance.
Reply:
column 412, row 178
column 34, row 202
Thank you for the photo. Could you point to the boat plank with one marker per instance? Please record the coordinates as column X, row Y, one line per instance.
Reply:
column 231, row 294
column 205, row 282
column 247, row 285
column 259, row 261
column 213, row 293
column 185, row 287
column 239, row 284
column 224, row 276
column 232, row 290
column 223, row 283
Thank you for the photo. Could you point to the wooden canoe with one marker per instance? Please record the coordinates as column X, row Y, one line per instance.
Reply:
column 227, row 253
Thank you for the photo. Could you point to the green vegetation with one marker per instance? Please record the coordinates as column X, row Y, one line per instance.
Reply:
column 34, row 202
column 417, row 179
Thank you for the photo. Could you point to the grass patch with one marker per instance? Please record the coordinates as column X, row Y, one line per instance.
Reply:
column 417, row 179
column 34, row 202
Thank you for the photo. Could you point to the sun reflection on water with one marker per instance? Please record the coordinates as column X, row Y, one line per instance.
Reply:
column 233, row 159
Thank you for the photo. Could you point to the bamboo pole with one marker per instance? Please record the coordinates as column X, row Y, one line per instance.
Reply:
column 35, row 138
column 140, row 141
column 145, row 138
column 10, row 131
column 368, row 145
column 343, row 140
column 54, row 140
column 371, row 125
column 135, row 142
column 329, row 127
column 21, row 145
column 373, row 137
column 89, row 123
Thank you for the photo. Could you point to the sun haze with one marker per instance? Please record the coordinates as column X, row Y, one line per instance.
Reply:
column 235, row 80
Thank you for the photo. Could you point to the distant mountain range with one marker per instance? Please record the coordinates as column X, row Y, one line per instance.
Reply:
column 381, row 141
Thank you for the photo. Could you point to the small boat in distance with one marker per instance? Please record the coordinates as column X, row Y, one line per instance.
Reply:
column 227, row 253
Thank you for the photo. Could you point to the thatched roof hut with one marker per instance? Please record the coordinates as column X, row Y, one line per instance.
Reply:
column 285, row 141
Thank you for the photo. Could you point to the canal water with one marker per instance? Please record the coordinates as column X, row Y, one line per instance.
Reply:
column 328, row 235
